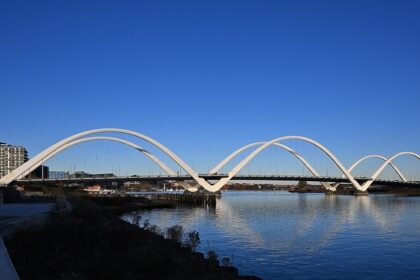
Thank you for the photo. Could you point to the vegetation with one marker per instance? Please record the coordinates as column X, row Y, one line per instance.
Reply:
column 302, row 184
column 87, row 244
column 192, row 240
column 254, row 187
column 212, row 255
column 175, row 233
column 226, row 261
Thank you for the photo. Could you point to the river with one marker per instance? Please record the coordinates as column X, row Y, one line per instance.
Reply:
column 281, row 235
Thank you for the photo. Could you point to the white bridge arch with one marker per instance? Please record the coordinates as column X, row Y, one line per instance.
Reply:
column 39, row 158
column 265, row 145
column 354, row 165
column 351, row 168
column 164, row 167
column 378, row 172
column 327, row 185
column 230, row 157
column 36, row 161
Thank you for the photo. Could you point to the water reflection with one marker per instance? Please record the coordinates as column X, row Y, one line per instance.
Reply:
column 278, row 234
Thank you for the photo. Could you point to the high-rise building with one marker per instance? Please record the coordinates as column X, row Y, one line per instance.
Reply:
column 11, row 157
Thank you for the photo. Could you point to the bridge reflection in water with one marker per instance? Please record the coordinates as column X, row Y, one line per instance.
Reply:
column 275, row 234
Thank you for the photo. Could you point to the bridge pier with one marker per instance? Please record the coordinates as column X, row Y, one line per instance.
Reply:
column 330, row 192
column 360, row 193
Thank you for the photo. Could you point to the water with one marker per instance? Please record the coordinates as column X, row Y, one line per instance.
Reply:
column 280, row 235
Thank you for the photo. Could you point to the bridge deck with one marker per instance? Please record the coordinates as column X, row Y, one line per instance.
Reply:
column 215, row 177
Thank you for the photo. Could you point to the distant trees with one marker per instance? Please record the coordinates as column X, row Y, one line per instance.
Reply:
column 302, row 184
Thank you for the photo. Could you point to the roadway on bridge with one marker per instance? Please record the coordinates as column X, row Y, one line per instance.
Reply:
column 215, row 177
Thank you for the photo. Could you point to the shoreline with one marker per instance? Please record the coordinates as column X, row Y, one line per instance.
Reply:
column 78, row 245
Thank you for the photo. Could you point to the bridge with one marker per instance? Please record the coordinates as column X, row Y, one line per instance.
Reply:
column 207, row 177
column 214, row 181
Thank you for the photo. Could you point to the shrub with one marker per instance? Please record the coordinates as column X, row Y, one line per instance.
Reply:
column 155, row 229
column 192, row 240
column 211, row 255
column 175, row 233
column 135, row 218
column 226, row 261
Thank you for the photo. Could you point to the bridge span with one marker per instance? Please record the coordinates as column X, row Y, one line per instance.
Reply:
column 215, row 177
column 212, row 181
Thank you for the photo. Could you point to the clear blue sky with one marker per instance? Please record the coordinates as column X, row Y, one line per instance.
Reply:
column 205, row 77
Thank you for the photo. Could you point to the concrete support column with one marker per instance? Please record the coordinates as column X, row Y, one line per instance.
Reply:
column 329, row 192
column 357, row 192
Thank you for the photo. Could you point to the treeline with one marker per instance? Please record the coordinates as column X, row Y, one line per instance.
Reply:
column 255, row 187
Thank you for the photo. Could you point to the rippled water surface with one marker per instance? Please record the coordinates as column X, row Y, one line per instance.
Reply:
column 279, row 235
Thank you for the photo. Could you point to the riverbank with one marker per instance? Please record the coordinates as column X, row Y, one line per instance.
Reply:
column 91, row 242
column 350, row 190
